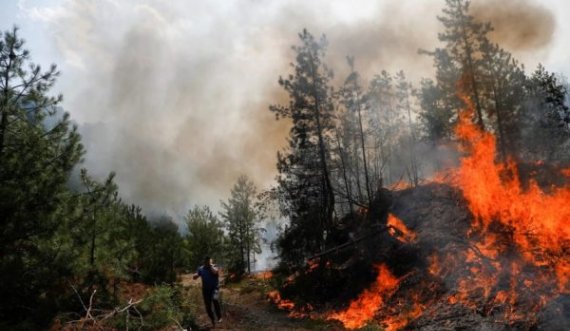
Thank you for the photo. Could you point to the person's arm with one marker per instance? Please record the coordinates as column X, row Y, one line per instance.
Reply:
column 196, row 275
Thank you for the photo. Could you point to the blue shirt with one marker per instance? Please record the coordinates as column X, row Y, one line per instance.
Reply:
column 209, row 279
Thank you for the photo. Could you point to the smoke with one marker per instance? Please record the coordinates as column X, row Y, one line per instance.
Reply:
column 174, row 95
column 519, row 25
column 388, row 40
column 170, row 108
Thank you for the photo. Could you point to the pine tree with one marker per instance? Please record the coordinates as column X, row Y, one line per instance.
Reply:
column 205, row 236
column 38, row 150
column 408, row 148
column 469, row 63
column 463, row 37
column 240, row 216
column 545, row 118
column 504, row 81
column 354, row 100
column 305, row 186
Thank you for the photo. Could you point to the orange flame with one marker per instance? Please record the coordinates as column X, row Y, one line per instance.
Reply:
column 400, row 185
column 538, row 221
column 288, row 305
column 405, row 234
column 399, row 321
column 313, row 265
column 275, row 297
column 363, row 308
column 518, row 240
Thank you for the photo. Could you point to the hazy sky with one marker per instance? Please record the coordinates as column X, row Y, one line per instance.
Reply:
column 173, row 95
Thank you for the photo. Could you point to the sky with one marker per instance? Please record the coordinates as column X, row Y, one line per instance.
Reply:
column 173, row 95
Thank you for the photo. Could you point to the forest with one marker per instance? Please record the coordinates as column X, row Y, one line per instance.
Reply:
column 439, row 204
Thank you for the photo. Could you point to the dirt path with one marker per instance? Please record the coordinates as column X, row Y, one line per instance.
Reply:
column 245, row 307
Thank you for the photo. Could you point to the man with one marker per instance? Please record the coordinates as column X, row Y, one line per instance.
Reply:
column 210, row 281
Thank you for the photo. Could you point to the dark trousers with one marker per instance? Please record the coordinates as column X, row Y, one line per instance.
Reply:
column 208, row 295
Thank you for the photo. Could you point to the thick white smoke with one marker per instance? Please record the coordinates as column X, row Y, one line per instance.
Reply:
column 173, row 95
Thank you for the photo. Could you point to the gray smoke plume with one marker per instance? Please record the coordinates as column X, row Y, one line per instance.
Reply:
column 174, row 95
column 519, row 25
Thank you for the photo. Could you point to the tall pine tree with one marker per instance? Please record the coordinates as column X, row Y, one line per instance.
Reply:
column 305, row 186
column 38, row 150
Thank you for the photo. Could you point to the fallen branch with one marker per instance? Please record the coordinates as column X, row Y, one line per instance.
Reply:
column 96, row 320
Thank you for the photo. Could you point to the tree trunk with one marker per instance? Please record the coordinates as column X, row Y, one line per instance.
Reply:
column 471, row 71
column 343, row 165
column 502, row 135
column 93, row 234
column 248, row 247
column 357, row 169
column 328, row 195
column 413, row 161
column 4, row 109
column 368, row 193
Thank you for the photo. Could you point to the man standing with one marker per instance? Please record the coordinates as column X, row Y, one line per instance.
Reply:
column 210, row 282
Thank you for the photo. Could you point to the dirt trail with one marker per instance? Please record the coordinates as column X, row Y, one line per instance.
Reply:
column 245, row 307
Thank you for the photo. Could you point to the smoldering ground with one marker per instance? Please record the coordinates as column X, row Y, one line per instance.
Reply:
column 174, row 96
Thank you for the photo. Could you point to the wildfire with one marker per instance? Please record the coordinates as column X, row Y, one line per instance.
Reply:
column 519, row 238
column 400, row 230
column 288, row 305
column 516, row 256
column 514, row 259
column 404, row 316
column 537, row 222
column 400, row 185
column 276, row 299
column 363, row 308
